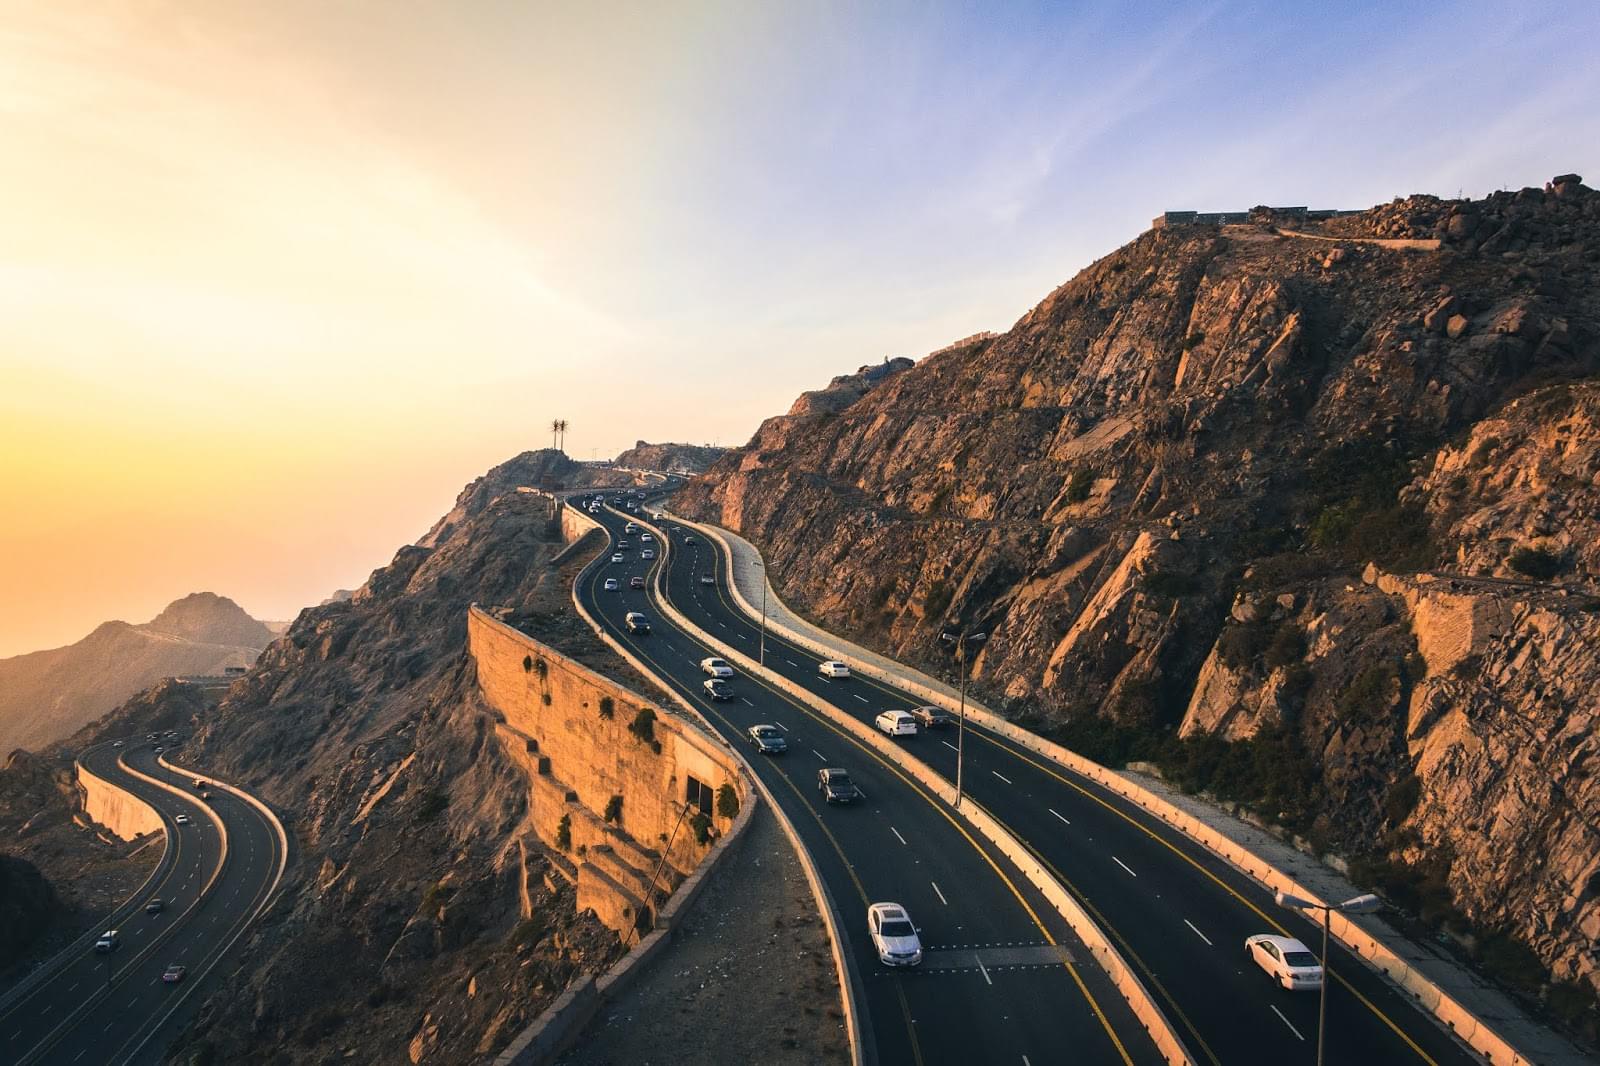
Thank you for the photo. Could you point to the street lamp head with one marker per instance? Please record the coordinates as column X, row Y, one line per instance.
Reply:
column 1364, row 904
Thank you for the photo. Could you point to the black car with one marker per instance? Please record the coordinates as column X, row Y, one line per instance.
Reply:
column 717, row 688
column 155, row 906
column 932, row 718
column 836, row 786
column 768, row 740
column 636, row 622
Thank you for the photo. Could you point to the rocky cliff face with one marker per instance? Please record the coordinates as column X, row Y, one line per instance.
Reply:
column 416, row 867
column 670, row 458
column 46, row 696
column 1159, row 490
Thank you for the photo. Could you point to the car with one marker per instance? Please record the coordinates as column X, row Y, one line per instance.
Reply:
column 182, row 819
column 174, row 974
column 116, row 743
column 617, row 557
column 109, row 941
column 648, row 553
column 1290, row 963
column 645, row 538
column 205, row 795
column 893, row 935
column 768, row 739
column 199, row 784
column 689, row 539
column 707, row 579
column 155, row 906
column 836, row 786
column 716, row 667
column 624, row 545
column 897, row 723
column 612, row 584
column 636, row 622
column 931, row 717
column 159, row 749
column 636, row 582
column 717, row 688
column 833, row 668
column 630, row 529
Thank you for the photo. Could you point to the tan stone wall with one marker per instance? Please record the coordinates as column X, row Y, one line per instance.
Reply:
column 122, row 812
column 578, row 758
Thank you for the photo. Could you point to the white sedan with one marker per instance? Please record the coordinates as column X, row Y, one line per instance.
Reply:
column 716, row 667
column 893, row 935
column 611, row 584
column 833, row 668
column 1290, row 962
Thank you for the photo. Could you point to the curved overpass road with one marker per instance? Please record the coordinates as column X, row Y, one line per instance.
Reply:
column 1178, row 913
column 115, row 1008
column 995, row 987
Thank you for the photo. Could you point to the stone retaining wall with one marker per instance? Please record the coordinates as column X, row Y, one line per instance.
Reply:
column 126, row 815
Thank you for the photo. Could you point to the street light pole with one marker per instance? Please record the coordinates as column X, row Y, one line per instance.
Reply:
column 962, row 643
column 763, row 652
column 1363, row 904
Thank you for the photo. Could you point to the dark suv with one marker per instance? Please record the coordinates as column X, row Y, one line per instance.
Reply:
column 836, row 786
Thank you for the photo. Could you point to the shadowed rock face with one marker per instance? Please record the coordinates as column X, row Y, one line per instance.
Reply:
column 46, row 696
column 1202, row 439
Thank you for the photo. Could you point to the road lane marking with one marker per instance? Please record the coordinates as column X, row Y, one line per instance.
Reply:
column 819, row 754
column 949, row 745
column 780, row 725
column 747, row 703
column 1286, row 1021
column 1124, row 865
column 936, row 892
column 983, row 971
column 1198, row 933
column 792, row 663
column 1057, row 813
column 897, row 835
column 1001, row 776
column 863, row 699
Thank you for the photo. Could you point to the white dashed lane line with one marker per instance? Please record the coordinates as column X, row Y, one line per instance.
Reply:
column 792, row 663
column 1197, row 932
column 747, row 703
column 897, row 835
column 1287, row 1022
column 936, row 892
column 819, row 754
column 1001, row 776
column 1057, row 814
column 949, row 745
column 780, row 725
column 984, row 972
column 1124, row 865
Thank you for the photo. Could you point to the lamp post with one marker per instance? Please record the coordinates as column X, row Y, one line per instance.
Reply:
column 961, row 642
column 1363, row 904
column 762, row 654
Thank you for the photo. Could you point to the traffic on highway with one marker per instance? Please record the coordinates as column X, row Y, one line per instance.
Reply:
column 1180, row 915
column 118, row 993
column 953, row 955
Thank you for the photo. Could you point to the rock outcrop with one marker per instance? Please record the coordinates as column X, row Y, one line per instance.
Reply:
column 670, row 458
column 1158, row 492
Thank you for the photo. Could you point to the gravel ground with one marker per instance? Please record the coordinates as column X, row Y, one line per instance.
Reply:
column 748, row 978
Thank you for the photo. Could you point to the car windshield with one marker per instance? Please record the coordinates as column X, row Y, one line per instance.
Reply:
column 1299, row 958
column 766, row 731
column 897, row 928
column 840, row 778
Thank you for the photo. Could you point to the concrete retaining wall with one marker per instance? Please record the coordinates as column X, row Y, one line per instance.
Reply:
column 126, row 815
column 1429, row 996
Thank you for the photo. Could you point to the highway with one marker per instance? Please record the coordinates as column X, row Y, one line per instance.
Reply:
column 114, row 1008
column 1178, row 913
column 1004, row 979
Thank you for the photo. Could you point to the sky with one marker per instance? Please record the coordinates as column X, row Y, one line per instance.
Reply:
column 278, row 279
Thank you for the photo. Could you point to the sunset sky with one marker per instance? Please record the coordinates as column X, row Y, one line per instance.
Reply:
column 276, row 279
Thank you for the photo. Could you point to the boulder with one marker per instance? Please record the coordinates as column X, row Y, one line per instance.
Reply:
column 1457, row 326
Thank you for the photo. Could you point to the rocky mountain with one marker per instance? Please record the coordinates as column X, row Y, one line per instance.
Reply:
column 46, row 696
column 545, row 468
column 415, row 868
column 1305, row 516
column 670, row 458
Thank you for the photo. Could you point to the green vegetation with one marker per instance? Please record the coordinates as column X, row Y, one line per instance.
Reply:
column 526, row 932
column 728, row 802
column 1080, row 484
column 701, row 824
column 643, row 725
column 1168, row 584
column 613, row 812
column 1243, row 645
column 527, row 663
column 608, row 707
column 1368, row 696
column 937, row 601
column 564, row 833
column 1288, row 645
column 1361, row 517
column 436, row 895
column 1193, row 340
column 1536, row 563
column 1402, row 799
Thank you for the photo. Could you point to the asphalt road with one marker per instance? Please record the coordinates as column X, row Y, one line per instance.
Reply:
column 994, row 987
column 1178, row 914
column 115, row 1008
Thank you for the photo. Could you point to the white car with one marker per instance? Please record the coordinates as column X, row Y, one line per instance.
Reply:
column 897, row 723
column 182, row 819
column 1291, row 963
column 611, row 584
column 645, row 538
column 833, row 668
column 716, row 667
column 893, row 935
column 648, row 553
column 616, row 557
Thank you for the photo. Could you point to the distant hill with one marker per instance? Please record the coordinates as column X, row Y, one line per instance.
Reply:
column 670, row 458
column 46, row 696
